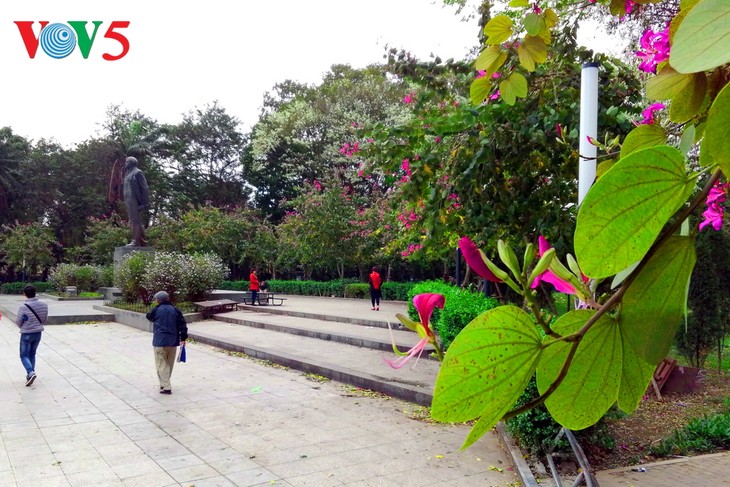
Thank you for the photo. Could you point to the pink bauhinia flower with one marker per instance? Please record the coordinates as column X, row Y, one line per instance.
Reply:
column 475, row 259
column 648, row 113
column 548, row 276
column 714, row 212
column 425, row 304
column 655, row 47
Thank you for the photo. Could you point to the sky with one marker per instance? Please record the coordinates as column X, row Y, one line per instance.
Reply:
column 183, row 55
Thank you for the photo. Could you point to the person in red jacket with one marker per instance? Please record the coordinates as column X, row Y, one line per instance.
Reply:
column 375, row 283
column 253, row 286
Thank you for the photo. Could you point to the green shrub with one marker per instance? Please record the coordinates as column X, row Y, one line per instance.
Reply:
column 357, row 290
column 396, row 291
column 106, row 275
column 460, row 308
column 185, row 277
column 87, row 278
column 234, row 285
column 129, row 276
column 17, row 287
column 701, row 435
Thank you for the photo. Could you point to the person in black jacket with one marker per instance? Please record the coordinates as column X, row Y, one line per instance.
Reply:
column 169, row 331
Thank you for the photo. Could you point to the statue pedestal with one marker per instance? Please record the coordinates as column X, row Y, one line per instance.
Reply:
column 120, row 252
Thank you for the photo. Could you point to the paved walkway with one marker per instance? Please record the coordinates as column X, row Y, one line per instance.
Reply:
column 94, row 417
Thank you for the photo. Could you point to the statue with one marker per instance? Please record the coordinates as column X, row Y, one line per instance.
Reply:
column 136, row 199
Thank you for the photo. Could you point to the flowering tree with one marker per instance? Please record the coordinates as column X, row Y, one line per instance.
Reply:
column 635, row 236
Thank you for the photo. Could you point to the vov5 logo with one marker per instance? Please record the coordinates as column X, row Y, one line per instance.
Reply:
column 59, row 40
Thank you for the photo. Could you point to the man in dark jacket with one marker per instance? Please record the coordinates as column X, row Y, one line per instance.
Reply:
column 169, row 331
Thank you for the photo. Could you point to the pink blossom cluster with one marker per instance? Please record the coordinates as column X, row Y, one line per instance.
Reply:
column 317, row 185
column 409, row 98
column 655, row 49
column 407, row 220
column 349, row 150
column 714, row 212
column 412, row 249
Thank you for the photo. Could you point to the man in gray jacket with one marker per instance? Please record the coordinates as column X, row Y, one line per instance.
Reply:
column 31, row 317
column 169, row 331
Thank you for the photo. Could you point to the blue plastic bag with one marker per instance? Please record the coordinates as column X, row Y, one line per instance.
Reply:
column 181, row 354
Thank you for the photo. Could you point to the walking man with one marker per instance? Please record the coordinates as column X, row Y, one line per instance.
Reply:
column 31, row 317
column 169, row 331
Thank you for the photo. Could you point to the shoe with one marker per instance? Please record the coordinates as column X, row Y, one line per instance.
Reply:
column 377, row 308
column 166, row 391
column 372, row 309
column 29, row 380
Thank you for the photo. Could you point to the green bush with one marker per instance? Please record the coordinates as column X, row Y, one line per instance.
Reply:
column 86, row 278
column 460, row 308
column 357, row 290
column 17, row 287
column 396, row 291
column 701, row 435
column 129, row 277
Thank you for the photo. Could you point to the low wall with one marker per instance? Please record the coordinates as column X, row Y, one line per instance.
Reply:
column 138, row 320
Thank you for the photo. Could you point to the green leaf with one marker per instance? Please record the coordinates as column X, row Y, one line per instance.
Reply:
column 702, row 39
column 534, row 24
column 592, row 383
column 551, row 18
column 479, row 90
column 486, row 369
column 519, row 3
column 604, row 166
column 532, row 50
column 635, row 376
column 654, row 304
column 687, row 140
column 643, row 137
column 498, row 29
column 513, row 87
column 687, row 103
column 626, row 209
column 617, row 7
column 717, row 131
column 667, row 84
column 490, row 60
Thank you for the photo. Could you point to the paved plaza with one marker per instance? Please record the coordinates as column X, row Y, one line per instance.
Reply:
column 94, row 417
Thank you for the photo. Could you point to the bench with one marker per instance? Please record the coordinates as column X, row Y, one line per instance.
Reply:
column 263, row 299
column 210, row 307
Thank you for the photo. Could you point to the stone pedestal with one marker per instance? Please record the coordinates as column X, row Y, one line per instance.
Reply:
column 120, row 252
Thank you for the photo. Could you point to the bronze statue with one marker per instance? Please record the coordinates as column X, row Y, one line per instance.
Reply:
column 136, row 199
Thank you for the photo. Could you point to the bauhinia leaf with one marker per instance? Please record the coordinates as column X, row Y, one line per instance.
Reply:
column 654, row 304
column 643, row 137
column 486, row 369
column 717, row 132
column 687, row 103
column 498, row 29
column 490, row 60
column 666, row 84
column 479, row 90
column 512, row 88
column 626, row 209
column 531, row 51
column 701, row 40
column 635, row 376
column 591, row 385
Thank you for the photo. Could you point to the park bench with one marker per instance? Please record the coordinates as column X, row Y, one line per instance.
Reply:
column 217, row 306
column 263, row 299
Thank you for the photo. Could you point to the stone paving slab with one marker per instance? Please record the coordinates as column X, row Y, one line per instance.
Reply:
column 95, row 417
column 700, row 471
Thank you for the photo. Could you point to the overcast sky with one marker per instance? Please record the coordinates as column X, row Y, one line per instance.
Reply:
column 185, row 54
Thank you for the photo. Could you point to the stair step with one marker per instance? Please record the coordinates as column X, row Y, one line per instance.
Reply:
column 358, row 366
column 362, row 336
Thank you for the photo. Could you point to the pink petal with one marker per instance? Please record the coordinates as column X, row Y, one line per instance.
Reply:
column 416, row 350
column 425, row 303
column 474, row 260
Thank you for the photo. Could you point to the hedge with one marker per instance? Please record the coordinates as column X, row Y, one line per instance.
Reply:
column 17, row 287
column 460, row 308
column 349, row 288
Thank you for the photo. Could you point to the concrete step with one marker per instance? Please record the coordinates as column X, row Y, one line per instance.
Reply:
column 350, row 364
column 378, row 319
column 375, row 338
